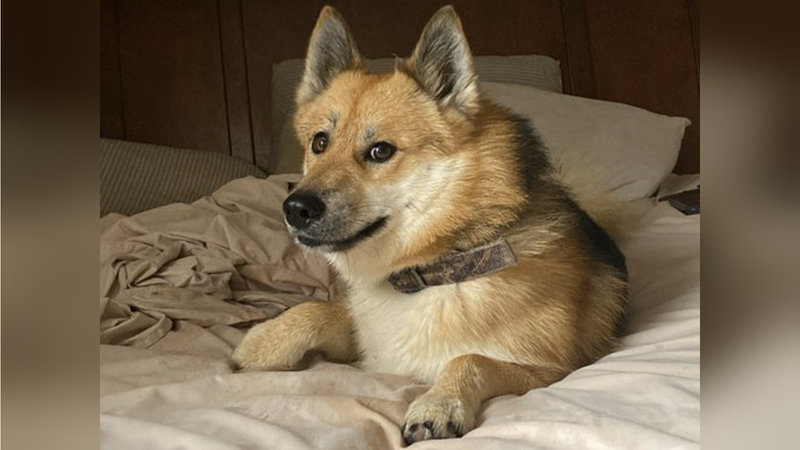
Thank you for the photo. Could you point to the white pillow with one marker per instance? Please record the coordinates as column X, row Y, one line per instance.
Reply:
column 626, row 151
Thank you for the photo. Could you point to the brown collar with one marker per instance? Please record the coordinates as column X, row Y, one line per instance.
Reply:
column 456, row 267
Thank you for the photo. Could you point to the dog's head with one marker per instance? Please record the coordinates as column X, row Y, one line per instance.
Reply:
column 382, row 152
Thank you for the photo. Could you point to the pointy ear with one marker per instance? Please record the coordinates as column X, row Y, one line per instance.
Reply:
column 442, row 63
column 331, row 51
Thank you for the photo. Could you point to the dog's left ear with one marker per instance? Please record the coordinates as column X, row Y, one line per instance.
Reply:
column 442, row 63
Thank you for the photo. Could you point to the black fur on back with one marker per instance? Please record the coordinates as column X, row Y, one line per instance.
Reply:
column 534, row 166
column 533, row 162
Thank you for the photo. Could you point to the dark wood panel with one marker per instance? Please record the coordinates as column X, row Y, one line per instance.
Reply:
column 172, row 76
column 112, row 123
column 197, row 73
column 236, row 83
column 694, row 17
column 643, row 55
column 275, row 31
column 578, row 56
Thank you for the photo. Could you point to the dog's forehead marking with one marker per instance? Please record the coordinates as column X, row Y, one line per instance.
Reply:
column 360, row 107
column 370, row 133
column 361, row 94
column 375, row 102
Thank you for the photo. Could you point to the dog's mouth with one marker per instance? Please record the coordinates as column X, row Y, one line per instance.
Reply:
column 348, row 243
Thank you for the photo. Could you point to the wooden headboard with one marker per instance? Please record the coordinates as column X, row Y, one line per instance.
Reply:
column 196, row 73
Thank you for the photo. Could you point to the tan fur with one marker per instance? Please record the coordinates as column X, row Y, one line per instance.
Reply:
column 454, row 183
column 324, row 327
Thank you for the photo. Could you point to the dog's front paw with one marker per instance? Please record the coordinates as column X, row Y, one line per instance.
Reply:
column 266, row 347
column 436, row 416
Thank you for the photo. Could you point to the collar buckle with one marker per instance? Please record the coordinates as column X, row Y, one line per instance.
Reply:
column 408, row 280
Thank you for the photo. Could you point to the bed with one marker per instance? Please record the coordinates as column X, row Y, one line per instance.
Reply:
column 171, row 386
column 188, row 262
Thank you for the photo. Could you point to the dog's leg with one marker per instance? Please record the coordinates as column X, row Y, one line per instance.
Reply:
column 449, row 409
column 281, row 343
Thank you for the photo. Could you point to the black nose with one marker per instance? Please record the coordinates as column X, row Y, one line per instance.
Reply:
column 302, row 209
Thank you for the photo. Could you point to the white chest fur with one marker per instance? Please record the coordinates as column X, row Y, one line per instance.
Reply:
column 418, row 334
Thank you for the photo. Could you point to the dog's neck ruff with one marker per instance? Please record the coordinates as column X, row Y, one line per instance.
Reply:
column 455, row 267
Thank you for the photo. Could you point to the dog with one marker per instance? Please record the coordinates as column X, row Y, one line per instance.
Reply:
column 468, row 266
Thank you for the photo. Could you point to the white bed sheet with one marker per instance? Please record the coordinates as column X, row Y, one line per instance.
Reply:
column 180, row 393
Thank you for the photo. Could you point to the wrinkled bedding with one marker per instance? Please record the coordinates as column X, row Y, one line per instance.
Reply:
column 181, row 283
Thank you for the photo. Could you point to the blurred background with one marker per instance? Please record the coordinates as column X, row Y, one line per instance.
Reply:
column 52, row 113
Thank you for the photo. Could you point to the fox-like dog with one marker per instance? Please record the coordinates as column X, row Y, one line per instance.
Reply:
column 467, row 265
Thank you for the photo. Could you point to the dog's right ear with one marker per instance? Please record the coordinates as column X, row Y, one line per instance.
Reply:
column 331, row 51
column 442, row 63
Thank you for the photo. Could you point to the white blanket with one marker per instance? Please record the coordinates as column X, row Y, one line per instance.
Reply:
column 181, row 393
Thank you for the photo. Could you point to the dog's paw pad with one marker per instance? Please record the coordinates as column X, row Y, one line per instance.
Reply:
column 435, row 417
column 427, row 430
column 417, row 432
column 453, row 429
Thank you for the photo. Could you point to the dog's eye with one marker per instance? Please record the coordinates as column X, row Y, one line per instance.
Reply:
column 319, row 143
column 381, row 152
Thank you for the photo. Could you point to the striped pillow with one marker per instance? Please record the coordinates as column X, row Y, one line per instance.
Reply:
column 135, row 177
